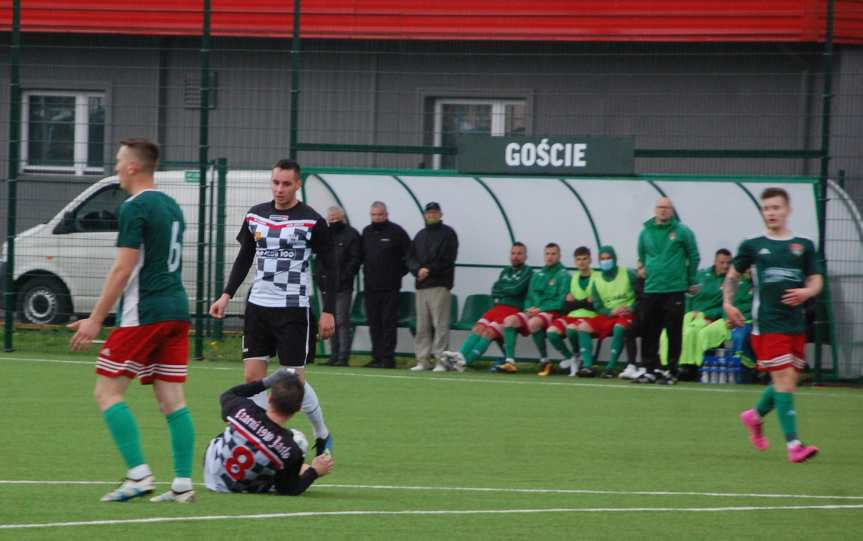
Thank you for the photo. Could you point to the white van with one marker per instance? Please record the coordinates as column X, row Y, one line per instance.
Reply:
column 61, row 265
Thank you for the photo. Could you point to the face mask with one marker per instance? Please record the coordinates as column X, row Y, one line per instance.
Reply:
column 606, row 264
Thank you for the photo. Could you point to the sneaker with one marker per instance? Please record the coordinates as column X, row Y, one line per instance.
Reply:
column 664, row 377
column 131, row 488
column 573, row 368
column 586, row 372
column 753, row 425
column 508, row 367
column 645, row 377
column 544, row 370
column 801, row 453
column 607, row 374
column 187, row 496
column 566, row 363
column 421, row 366
column 324, row 445
column 441, row 366
column 457, row 362
column 630, row 372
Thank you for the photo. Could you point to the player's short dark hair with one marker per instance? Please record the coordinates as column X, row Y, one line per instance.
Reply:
column 553, row 245
column 286, row 395
column 146, row 151
column 581, row 250
column 774, row 191
column 723, row 251
column 519, row 243
column 290, row 165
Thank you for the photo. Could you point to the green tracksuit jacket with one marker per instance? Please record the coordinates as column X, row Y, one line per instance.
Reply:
column 511, row 286
column 548, row 289
column 669, row 255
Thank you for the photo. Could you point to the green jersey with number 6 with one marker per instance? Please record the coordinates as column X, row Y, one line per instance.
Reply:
column 152, row 222
column 777, row 266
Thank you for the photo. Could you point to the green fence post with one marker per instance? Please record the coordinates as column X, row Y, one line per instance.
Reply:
column 221, row 217
column 821, row 304
column 295, row 83
column 12, row 180
column 203, row 149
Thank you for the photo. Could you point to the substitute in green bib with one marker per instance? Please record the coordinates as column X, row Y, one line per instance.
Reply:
column 613, row 296
column 578, row 306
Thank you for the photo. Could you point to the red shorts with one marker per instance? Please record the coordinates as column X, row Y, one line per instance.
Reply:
column 546, row 317
column 493, row 319
column 155, row 351
column 562, row 323
column 779, row 351
column 603, row 326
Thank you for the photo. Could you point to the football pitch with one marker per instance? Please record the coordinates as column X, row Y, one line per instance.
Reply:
column 455, row 456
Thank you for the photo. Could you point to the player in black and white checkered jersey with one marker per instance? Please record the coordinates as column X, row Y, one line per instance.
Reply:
column 280, row 236
column 255, row 453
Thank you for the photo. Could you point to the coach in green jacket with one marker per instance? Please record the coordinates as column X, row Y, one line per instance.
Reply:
column 669, row 259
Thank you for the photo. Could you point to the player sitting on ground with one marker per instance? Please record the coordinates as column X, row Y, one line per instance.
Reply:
column 543, row 304
column 256, row 453
column 786, row 274
column 579, row 305
column 613, row 297
column 508, row 294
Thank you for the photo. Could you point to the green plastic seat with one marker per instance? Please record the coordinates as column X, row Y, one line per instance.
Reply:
column 474, row 307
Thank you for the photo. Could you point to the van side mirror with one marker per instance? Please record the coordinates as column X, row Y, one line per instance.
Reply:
column 66, row 225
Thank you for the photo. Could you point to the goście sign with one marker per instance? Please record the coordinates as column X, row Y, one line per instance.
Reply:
column 588, row 155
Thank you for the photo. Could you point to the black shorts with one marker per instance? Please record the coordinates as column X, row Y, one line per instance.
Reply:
column 290, row 333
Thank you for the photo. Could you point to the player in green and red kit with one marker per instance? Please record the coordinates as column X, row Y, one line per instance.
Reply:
column 613, row 298
column 508, row 294
column 786, row 273
column 151, row 340
column 543, row 304
column 577, row 306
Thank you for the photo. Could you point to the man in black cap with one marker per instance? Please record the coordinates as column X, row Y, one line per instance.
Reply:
column 385, row 247
column 432, row 260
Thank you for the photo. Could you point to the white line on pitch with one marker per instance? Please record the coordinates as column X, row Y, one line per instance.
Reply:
column 441, row 512
column 496, row 489
column 503, row 380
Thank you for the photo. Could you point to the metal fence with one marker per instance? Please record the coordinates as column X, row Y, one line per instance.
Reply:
column 692, row 108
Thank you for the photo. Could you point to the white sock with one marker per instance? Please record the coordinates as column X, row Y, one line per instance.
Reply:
column 312, row 409
column 510, row 360
column 260, row 399
column 181, row 484
column 139, row 472
column 792, row 443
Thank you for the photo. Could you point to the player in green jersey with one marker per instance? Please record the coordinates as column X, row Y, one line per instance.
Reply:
column 786, row 273
column 151, row 338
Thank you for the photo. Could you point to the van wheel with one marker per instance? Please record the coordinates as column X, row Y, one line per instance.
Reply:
column 44, row 300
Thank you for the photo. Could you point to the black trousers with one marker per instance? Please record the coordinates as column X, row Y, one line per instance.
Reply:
column 382, row 310
column 661, row 311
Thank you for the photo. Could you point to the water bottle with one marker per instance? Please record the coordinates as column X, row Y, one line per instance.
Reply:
column 706, row 365
column 713, row 371
column 722, row 367
column 736, row 374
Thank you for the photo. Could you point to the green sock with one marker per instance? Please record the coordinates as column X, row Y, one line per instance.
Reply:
column 479, row 348
column 468, row 344
column 616, row 346
column 121, row 423
column 539, row 340
column 509, row 336
column 585, row 346
column 572, row 335
column 787, row 415
column 766, row 402
column 557, row 341
column 182, row 441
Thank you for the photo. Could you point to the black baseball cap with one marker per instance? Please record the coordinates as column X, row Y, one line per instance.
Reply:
column 432, row 205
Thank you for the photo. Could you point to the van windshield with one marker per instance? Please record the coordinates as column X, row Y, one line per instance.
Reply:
column 99, row 212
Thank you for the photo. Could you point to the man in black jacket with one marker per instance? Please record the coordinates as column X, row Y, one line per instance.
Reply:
column 432, row 260
column 349, row 257
column 385, row 247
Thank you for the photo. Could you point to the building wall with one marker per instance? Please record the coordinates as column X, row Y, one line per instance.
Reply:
column 750, row 96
